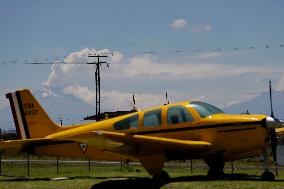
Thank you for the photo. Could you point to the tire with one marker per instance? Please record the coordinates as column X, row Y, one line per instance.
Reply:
column 161, row 178
column 268, row 176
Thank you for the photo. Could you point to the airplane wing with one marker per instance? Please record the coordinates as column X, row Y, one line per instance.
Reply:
column 280, row 131
column 19, row 145
column 125, row 143
column 120, row 143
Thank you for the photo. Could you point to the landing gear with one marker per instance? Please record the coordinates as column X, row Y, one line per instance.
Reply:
column 154, row 164
column 216, row 165
column 267, row 176
column 161, row 178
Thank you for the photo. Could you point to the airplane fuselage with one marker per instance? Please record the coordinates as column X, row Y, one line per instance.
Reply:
column 180, row 131
column 236, row 136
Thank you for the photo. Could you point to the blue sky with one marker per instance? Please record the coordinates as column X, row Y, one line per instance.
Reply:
column 50, row 30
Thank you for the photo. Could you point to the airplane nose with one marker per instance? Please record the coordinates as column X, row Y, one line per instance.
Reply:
column 273, row 123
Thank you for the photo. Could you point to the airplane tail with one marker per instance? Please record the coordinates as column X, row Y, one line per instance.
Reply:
column 30, row 119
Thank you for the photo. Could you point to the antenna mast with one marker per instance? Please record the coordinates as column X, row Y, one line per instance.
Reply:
column 168, row 102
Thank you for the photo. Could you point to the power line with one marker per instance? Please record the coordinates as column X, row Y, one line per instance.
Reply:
column 47, row 61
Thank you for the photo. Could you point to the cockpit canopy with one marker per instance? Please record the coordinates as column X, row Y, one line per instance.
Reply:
column 205, row 109
column 173, row 115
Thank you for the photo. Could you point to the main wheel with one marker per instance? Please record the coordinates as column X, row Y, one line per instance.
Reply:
column 161, row 178
column 267, row 176
column 216, row 165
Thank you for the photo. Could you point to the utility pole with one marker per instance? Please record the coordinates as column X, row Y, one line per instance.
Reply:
column 98, row 83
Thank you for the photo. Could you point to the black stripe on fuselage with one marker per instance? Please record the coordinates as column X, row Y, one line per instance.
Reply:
column 197, row 127
column 23, row 114
column 232, row 130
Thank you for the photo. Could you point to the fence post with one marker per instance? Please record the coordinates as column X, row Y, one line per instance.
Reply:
column 0, row 155
column 89, row 165
column 0, row 162
column 232, row 167
column 191, row 167
column 28, row 164
column 57, row 165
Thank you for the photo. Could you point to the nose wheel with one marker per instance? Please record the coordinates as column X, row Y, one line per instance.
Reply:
column 161, row 178
column 216, row 165
column 267, row 176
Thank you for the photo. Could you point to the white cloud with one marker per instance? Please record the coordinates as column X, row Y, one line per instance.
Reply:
column 200, row 28
column 114, row 99
column 210, row 54
column 62, row 74
column 116, row 56
column 48, row 92
column 280, row 84
column 118, row 100
column 150, row 67
column 199, row 67
column 182, row 24
column 81, row 92
column 179, row 24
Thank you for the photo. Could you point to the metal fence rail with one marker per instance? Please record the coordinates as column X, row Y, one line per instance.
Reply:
column 21, row 165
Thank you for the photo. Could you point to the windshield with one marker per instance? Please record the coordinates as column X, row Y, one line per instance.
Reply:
column 205, row 109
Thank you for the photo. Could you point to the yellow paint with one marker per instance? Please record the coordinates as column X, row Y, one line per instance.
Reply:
column 196, row 139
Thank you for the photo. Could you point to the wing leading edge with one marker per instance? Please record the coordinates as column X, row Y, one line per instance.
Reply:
column 120, row 143
column 125, row 143
column 19, row 145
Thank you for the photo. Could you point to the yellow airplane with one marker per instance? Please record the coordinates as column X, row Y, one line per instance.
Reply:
column 180, row 131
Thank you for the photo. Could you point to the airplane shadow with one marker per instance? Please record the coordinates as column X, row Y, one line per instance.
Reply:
column 148, row 183
column 138, row 182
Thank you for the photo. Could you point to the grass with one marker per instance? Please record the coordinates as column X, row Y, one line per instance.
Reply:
column 134, row 176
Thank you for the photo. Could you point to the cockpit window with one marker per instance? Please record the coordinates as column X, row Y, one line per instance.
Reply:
column 178, row 114
column 152, row 118
column 205, row 109
column 127, row 123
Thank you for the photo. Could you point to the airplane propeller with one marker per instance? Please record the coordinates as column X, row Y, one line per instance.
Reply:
column 273, row 136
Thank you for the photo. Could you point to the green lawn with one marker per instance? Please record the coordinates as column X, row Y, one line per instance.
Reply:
column 113, row 176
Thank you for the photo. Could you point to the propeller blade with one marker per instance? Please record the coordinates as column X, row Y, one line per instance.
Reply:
column 273, row 137
column 270, row 96
column 273, row 143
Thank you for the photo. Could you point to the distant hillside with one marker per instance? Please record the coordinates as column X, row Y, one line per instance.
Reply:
column 260, row 105
column 73, row 110
column 70, row 108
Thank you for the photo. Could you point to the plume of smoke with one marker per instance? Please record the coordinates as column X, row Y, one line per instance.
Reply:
column 63, row 75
